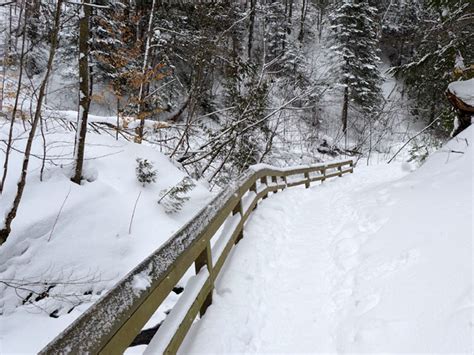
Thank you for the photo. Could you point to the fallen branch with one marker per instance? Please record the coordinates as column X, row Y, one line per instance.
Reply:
column 416, row 135
column 59, row 213
column 133, row 213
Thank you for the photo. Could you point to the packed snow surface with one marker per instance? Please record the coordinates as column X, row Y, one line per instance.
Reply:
column 374, row 262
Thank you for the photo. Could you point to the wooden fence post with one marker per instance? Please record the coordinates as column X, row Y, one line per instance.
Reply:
column 340, row 170
column 263, row 180
column 307, row 183
column 253, row 188
column 238, row 209
column 205, row 259
column 323, row 171
column 274, row 179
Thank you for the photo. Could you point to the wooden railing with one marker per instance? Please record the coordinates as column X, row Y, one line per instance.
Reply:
column 111, row 324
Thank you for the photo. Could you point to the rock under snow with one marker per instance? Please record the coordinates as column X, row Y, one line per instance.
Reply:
column 463, row 90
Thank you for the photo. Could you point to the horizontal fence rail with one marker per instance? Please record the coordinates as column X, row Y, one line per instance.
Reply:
column 111, row 324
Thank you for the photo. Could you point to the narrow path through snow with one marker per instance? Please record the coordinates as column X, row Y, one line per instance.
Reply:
column 374, row 262
column 289, row 279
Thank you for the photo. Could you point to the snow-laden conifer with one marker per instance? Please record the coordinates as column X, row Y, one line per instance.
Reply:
column 355, row 45
column 174, row 198
column 146, row 173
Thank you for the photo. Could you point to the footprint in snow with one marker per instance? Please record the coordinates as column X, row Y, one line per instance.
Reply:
column 364, row 305
column 346, row 247
column 223, row 291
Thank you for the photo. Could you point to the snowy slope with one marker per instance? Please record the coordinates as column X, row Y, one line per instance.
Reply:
column 376, row 262
column 84, row 247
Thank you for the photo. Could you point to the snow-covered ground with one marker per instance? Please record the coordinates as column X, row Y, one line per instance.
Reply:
column 69, row 244
column 377, row 262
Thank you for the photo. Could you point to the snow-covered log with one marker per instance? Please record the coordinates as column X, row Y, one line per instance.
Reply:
column 461, row 95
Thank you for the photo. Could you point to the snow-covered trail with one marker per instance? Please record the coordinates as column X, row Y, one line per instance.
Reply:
column 373, row 262
column 285, row 285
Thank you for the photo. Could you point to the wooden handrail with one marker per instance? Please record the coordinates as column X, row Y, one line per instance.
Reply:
column 110, row 325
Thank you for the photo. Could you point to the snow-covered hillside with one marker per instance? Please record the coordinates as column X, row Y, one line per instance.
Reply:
column 71, row 243
column 377, row 262
column 380, row 260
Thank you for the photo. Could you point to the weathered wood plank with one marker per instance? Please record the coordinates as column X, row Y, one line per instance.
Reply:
column 205, row 260
column 189, row 318
column 317, row 178
column 238, row 209
column 307, row 182
column 296, row 183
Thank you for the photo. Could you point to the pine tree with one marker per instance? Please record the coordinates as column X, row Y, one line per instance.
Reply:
column 174, row 198
column 447, row 33
column 355, row 43
column 400, row 29
column 247, row 92
column 146, row 173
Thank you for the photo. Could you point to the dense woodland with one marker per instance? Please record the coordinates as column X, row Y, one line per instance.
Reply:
column 218, row 86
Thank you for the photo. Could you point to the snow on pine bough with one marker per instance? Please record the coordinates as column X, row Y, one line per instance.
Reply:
column 112, row 323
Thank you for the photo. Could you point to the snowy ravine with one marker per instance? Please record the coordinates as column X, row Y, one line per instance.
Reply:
column 70, row 244
column 379, row 261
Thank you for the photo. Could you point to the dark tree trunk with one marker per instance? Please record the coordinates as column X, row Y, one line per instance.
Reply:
column 143, row 84
column 84, row 100
column 345, row 107
column 302, row 21
column 251, row 27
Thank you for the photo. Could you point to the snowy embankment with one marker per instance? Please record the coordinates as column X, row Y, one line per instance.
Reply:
column 71, row 243
column 378, row 261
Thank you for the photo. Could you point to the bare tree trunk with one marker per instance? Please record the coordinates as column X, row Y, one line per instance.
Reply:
column 322, row 7
column 15, row 108
column 17, row 30
column 118, row 118
column 302, row 21
column 345, row 112
column 10, row 29
column 251, row 27
column 84, row 98
column 4, row 66
column 5, row 231
column 141, row 93
column 290, row 15
column 370, row 140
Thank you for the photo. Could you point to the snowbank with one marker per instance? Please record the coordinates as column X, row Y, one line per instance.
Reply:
column 71, row 243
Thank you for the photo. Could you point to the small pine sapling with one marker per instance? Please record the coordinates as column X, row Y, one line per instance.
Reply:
column 146, row 174
column 174, row 198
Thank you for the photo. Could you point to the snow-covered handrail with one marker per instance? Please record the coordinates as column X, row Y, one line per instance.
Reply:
column 112, row 323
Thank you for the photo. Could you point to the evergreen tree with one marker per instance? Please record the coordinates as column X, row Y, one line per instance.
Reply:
column 355, row 43
column 146, row 173
column 400, row 30
column 174, row 199
column 247, row 92
column 447, row 34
